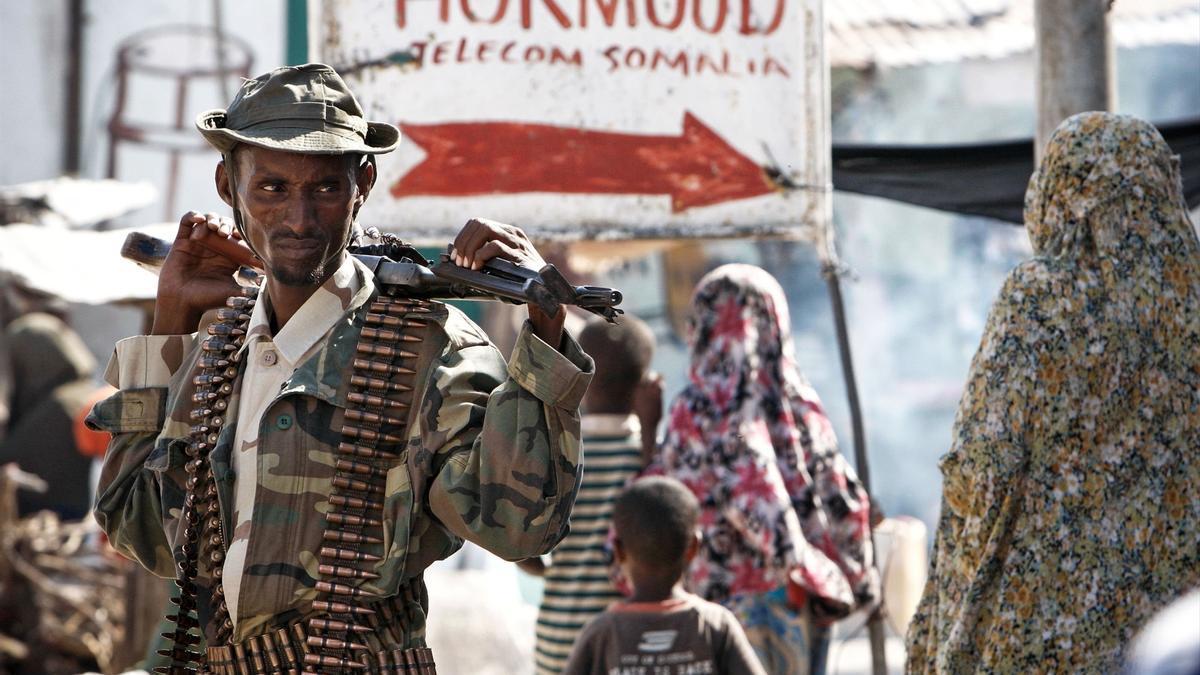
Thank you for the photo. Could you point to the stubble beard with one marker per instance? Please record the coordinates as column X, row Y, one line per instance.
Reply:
column 310, row 273
column 290, row 276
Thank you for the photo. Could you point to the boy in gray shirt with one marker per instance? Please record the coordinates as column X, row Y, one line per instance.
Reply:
column 661, row 629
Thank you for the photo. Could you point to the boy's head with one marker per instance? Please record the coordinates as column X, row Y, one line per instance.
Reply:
column 622, row 352
column 655, row 523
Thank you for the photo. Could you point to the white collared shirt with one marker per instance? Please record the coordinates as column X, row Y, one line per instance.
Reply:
column 270, row 361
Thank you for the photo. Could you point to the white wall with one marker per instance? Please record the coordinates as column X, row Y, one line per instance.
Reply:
column 33, row 38
column 33, row 35
column 261, row 23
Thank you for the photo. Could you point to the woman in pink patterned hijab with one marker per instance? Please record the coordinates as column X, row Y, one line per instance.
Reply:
column 749, row 437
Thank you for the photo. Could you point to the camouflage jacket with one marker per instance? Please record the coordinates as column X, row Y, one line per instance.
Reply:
column 492, row 455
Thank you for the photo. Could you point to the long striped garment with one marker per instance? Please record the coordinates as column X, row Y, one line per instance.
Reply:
column 577, row 581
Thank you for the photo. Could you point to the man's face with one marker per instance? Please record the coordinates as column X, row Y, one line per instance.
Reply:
column 297, row 209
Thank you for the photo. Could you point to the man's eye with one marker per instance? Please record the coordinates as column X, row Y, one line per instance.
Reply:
column 327, row 188
column 272, row 187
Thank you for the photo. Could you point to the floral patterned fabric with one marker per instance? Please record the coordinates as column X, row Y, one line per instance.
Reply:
column 1069, row 514
column 774, row 630
column 749, row 437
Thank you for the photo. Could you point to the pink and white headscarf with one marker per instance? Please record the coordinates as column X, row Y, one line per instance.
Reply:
column 749, row 437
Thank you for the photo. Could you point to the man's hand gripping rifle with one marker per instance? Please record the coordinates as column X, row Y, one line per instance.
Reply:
column 401, row 267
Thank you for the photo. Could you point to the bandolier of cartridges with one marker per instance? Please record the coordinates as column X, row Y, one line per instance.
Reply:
column 204, row 537
column 373, row 438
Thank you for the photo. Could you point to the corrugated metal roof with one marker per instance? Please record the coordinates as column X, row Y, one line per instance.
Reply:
column 864, row 33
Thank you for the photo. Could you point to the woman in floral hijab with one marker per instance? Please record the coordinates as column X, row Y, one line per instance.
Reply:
column 749, row 437
column 1069, row 514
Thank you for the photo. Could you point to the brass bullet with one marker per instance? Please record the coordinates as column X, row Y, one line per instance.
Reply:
column 285, row 643
column 383, row 367
column 224, row 329
column 333, row 643
column 203, row 396
column 299, row 635
column 356, row 485
column 272, row 656
column 337, row 553
column 389, row 335
column 207, row 379
column 393, row 306
column 214, row 362
column 377, row 384
column 350, row 431
column 333, row 588
column 226, row 314
column 374, row 419
column 354, row 502
column 384, row 351
column 216, row 344
column 362, row 451
column 350, row 538
column 240, row 302
column 410, row 661
column 379, row 402
column 350, row 520
column 341, row 608
column 375, row 319
column 345, row 572
column 256, row 655
column 331, row 662
column 360, row 468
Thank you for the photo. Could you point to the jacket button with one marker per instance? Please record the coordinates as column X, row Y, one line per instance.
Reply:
column 269, row 358
column 283, row 422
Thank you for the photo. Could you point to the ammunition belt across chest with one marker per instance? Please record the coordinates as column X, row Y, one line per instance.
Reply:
column 290, row 650
column 373, row 435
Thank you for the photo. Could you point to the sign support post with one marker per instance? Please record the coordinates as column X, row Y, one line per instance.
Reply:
column 819, row 212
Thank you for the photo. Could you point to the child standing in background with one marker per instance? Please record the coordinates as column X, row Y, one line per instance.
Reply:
column 662, row 629
column 615, row 439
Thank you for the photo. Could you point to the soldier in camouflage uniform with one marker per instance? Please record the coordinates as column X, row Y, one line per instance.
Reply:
column 489, row 452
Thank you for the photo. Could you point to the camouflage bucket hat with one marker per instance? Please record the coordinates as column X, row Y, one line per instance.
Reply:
column 306, row 109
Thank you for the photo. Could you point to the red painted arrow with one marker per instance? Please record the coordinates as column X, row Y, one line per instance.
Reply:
column 476, row 158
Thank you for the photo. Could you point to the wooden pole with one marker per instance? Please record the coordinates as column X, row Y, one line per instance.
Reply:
column 73, row 106
column 819, row 211
column 1074, row 55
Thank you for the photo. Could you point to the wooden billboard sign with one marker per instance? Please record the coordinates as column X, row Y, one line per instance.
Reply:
column 587, row 118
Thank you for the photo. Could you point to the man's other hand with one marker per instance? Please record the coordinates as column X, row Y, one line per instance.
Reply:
column 194, row 279
column 481, row 240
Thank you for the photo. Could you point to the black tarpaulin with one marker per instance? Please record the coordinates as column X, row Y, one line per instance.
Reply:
column 979, row 179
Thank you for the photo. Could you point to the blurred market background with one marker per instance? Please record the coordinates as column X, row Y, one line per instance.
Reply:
column 100, row 90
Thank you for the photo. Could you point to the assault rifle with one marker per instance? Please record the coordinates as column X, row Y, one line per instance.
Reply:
column 402, row 267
